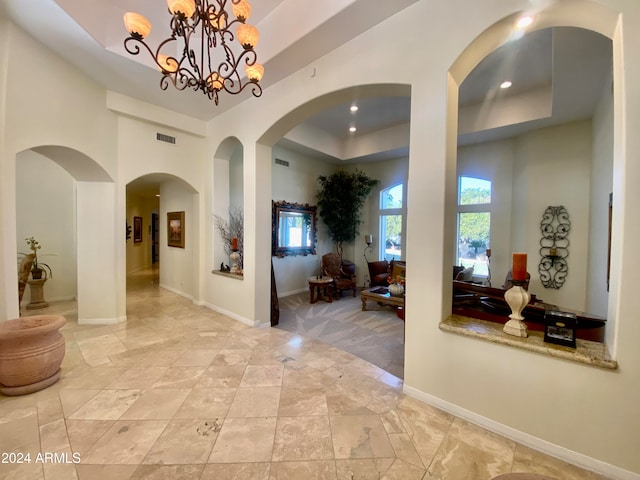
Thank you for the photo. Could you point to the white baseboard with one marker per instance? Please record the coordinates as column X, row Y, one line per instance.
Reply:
column 569, row 456
column 102, row 321
column 232, row 315
column 177, row 292
column 292, row 292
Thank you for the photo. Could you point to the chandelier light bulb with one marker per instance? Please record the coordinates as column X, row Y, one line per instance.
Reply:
column 186, row 7
column 248, row 36
column 215, row 81
column 137, row 24
column 241, row 10
column 254, row 72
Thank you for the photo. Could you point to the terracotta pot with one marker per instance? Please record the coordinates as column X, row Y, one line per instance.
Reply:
column 31, row 351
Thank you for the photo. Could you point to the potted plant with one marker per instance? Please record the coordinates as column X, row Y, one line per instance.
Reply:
column 37, row 267
column 340, row 201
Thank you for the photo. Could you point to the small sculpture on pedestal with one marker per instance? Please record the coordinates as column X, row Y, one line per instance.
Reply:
column 517, row 297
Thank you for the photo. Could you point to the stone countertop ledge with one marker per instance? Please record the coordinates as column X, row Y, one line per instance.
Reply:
column 587, row 352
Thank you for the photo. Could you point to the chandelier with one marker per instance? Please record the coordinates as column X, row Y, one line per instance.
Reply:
column 199, row 52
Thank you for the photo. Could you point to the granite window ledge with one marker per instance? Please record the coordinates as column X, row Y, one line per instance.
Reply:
column 237, row 276
column 587, row 352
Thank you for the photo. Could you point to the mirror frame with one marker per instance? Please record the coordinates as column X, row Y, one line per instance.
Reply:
column 282, row 206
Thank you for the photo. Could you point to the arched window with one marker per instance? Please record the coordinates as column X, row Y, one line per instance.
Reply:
column 474, row 225
column 391, row 223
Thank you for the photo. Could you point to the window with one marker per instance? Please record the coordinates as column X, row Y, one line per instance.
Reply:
column 391, row 223
column 474, row 224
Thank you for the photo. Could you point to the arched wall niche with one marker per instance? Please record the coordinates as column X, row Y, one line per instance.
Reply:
column 583, row 14
column 228, row 191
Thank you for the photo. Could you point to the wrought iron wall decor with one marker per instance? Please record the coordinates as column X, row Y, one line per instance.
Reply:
column 554, row 247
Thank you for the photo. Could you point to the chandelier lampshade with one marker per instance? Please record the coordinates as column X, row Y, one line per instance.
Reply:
column 186, row 7
column 254, row 72
column 241, row 10
column 206, row 57
column 137, row 24
column 247, row 36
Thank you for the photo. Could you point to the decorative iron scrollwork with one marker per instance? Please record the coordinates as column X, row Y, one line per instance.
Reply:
column 554, row 247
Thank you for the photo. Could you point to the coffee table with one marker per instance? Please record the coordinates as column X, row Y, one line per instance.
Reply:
column 381, row 296
column 320, row 288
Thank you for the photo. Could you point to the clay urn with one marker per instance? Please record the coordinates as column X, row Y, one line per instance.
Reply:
column 31, row 351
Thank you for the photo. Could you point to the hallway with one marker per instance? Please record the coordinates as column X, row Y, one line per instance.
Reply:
column 182, row 392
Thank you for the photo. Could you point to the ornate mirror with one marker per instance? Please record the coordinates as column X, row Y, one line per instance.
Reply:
column 293, row 229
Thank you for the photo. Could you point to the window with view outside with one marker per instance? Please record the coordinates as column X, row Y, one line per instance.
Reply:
column 391, row 223
column 474, row 224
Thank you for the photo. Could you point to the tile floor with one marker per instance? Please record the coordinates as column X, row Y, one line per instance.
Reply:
column 181, row 392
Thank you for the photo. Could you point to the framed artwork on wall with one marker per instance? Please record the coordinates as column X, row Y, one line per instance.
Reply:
column 137, row 229
column 175, row 229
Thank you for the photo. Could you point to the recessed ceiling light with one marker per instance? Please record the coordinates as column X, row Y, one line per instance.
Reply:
column 506, row 84
column 524, row 22
column 352, row 129
column 354, row 108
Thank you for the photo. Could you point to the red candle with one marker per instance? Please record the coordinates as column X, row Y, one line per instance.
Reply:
column 234, row 244
column 519, row 271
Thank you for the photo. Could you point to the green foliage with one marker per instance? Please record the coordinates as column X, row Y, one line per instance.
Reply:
column 34, row 246
column 475, row 196
column 475, row 229
column 340, row 201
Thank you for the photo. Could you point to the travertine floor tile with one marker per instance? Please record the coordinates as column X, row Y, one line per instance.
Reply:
column 236, row 471
column 126, row 442
column 107, row 405
column 156, row 404
column 206, row 403
column 302, row 438
column 318, row 470
column 181, row 392
column 244, row 440
column 255, row 402
column 184, row 442
column 360, row 436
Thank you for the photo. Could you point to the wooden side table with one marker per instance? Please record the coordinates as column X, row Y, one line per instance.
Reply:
column 320, row 288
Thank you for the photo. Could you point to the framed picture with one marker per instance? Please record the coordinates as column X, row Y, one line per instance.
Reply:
column 175, row 229
column 560, row 328
column 137, row 229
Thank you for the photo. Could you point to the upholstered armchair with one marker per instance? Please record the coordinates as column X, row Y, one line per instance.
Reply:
column 378, row 273
column 331, row 266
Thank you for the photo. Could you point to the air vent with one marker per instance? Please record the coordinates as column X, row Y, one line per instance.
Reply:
column 165, row 138
column 284, row 163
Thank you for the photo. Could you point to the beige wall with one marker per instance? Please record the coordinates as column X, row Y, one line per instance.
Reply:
column 582, row 414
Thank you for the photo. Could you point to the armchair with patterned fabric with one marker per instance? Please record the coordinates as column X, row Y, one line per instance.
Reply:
column 331, row 266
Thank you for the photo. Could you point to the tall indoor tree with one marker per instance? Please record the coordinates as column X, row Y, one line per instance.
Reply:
column 340, row 200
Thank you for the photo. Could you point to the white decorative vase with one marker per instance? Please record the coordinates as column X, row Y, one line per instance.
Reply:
column 235, row 256
column 517, row 298
column 396, row 289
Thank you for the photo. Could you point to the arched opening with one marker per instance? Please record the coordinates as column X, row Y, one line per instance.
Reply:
column 162, row 247
column 53, row 186
column 548, row 143
column 297, row 150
